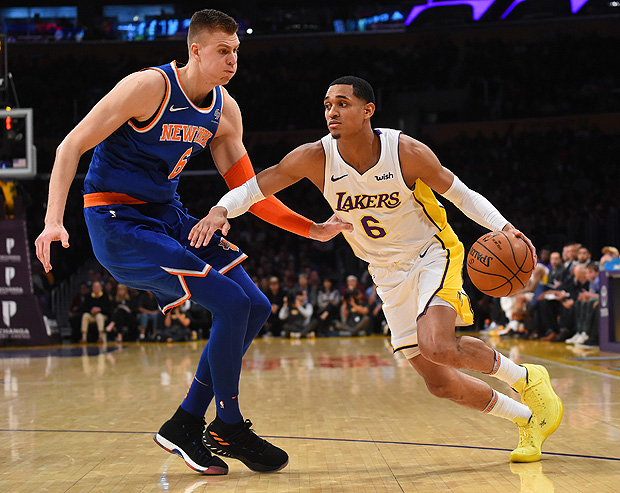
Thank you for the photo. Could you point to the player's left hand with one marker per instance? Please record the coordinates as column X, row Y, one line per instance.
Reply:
column 509, row 228
column 203, row 230
column 330, row 228
column 52, row 232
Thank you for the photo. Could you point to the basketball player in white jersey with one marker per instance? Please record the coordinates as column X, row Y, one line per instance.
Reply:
column 383, row 183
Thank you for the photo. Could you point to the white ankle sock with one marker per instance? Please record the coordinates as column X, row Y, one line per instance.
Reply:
column 504, row 407
column 506, row 370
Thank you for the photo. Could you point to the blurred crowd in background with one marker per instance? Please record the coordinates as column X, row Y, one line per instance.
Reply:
column 526, row 115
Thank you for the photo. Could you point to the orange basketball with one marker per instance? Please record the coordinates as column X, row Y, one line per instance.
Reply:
column 499, row 264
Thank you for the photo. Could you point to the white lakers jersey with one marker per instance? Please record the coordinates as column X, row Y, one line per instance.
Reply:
column 390, row 221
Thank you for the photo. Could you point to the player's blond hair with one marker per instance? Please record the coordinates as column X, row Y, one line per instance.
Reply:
column 210, row 20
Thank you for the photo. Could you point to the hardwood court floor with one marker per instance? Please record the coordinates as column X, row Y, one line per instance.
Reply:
column 352, row 416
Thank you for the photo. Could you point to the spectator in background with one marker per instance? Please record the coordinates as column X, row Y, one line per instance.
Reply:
column 609, row 254
column 544, row 256
column 148, row 312
column 583, row 255
column 352, row 284
column 570, row 253
column 585, row 310
column 302, row 280
column 328, row 307
column 354, row 319
column 296, row 315
column 556, row 272
column 314, row 286
column 302, row 283
column 123, row 320
column 555, row 309
column 109, row 288
column 95, row 309
column 275, row 294
column 177, row 327
column 75, row 312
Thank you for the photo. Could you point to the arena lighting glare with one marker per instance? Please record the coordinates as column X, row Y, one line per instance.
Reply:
column 479, row 7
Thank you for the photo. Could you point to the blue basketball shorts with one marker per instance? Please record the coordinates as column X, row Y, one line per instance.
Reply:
column 145, row 246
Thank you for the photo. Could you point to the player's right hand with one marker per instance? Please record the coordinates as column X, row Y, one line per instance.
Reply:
column 330, row 228
column 203, row 230
column 510, row 228
column 50, row 233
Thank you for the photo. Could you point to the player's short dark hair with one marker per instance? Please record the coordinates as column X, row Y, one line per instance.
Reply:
column 361, row 88
column 210, row 20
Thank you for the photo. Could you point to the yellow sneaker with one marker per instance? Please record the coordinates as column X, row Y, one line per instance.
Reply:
column 530, row 441
column 537, row 393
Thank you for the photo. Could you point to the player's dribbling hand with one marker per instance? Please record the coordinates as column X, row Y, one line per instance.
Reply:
column 509, row 228
column 203, row 230
column 42, row 243
column 330, row 228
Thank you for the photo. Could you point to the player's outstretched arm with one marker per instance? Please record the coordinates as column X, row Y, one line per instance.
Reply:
column 303, row 162
column 234, row 164
column 136, row 96
column 217, row 219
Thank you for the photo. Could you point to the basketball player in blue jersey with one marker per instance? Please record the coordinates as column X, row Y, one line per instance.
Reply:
column 384, row 183
column 144, row 132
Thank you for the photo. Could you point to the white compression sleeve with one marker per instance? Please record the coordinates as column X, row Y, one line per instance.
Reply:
column 475, row 206
column 240, row 199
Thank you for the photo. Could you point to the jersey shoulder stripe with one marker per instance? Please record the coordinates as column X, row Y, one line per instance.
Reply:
column 162, row 106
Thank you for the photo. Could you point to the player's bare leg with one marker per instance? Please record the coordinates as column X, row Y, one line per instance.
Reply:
column 442, row 353
column 439, row 344
column 449, row 383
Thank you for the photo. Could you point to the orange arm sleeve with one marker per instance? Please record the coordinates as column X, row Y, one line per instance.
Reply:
column 271, row 209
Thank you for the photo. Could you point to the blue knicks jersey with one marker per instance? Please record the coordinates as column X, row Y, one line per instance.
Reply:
column 144, row 159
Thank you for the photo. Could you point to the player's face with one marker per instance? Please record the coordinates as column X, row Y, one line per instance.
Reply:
column 217, row 54
column 345, row 113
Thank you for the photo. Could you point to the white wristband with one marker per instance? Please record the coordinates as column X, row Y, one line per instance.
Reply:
column 240, row 199
column 475, row 206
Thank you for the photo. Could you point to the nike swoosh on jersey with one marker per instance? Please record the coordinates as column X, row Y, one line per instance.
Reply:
column 339, row 178
column 425, row 252
column 172, row 108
